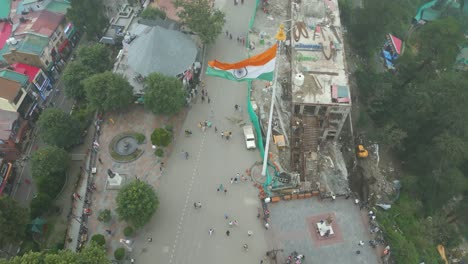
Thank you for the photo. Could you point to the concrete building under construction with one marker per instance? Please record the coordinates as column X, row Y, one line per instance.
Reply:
column 320, row 95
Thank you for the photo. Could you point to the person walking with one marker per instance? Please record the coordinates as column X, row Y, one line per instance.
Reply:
column 216, row 129
column 232, row 180
column 221, row 187
column 225, row 191
column 209, row 99
column 228, row 233
column 109, row 232
column 186, row 155
column 222, row 135
column 150, row 239
column 226, row 216
column 246, row 247
column 202, row 98
column 236, row 107
column 100, row 160
column 249, row 233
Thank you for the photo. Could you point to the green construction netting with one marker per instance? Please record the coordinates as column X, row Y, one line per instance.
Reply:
column 253, row 116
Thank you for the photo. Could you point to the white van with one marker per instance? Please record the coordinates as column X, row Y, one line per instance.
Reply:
column 249, row 137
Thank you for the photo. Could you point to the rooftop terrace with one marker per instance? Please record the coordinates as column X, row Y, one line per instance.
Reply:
column 318, row 61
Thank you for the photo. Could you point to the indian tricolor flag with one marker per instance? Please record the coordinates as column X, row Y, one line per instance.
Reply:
column 261, row 66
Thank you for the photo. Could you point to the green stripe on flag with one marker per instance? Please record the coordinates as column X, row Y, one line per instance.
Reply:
column 267, row 76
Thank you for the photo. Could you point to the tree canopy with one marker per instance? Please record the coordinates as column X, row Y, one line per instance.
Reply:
column 96, row 56
column 58, row 128
column 153, row 13
column 13, row 220
column 108, row 91
column 136, row 203
column 91, row 254
column 163, row 94
column 419, row 111
column 88, row 16
column 161, row 137
column 72, row 77
column 49, row 168
column 202, row 19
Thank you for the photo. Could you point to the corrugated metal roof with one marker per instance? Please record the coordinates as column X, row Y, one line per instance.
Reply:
column 47, row 23
column 5, row 32
column 32, row 44
column 28, row 70
column 5, row 6
column 161, row 50
column 58, row 7
column 14, row 76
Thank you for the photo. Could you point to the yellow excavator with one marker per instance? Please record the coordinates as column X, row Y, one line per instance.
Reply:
column 362, row 151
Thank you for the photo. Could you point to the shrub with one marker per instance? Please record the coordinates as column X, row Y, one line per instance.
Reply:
column 104, row 215
column 161, row 137
column 159, row 152
column 153, row 13
column 140, row 138
column 128, row 231
column 99, row 239
column 119, row 253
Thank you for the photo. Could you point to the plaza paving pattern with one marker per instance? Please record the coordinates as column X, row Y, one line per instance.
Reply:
column 293, row 229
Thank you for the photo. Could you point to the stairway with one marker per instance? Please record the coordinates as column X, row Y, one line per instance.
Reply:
column 310, row 139
column 311, row 135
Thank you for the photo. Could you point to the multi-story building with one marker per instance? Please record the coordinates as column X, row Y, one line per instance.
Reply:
column 12, row 129
column 321, row 98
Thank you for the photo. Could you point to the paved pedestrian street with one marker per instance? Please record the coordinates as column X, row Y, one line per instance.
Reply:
column 180, row 232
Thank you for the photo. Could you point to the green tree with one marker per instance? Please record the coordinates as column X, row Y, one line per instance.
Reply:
column 99, row 239
column 104, row 215
column 49, row 167
column 88, row 16
column 119, row 253
column 161, row 137
column 40, row 205
column 201, row 18
column 13, row 219
column 108, row 91
column 163, row 94
column 72, row 76
column 153, row 13
column 92, row 254
column 96, row 56
column 58, row 128
column 136, row 203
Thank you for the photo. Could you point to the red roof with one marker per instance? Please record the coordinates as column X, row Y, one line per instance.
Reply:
column 28, row 70
column 5, row 33
column 47, row 22
column 396, row 43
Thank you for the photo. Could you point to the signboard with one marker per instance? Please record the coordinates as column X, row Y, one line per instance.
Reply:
column 41, row 81
column 283, row 177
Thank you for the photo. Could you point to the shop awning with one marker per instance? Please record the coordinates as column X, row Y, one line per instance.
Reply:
column 5, row 170
column 396, row 43
column 63, row 45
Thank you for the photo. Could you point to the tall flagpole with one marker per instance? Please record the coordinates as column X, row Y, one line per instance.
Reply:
column 280, row 37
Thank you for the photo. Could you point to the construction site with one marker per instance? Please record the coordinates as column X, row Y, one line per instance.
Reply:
column 313, row 148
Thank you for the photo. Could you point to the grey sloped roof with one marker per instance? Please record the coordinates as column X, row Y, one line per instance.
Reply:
column 156, row 49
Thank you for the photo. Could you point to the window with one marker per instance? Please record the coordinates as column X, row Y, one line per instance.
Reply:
column 18, row 96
